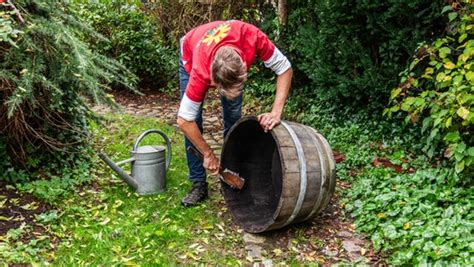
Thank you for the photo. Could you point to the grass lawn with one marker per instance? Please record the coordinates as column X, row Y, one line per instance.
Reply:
column 110, row 224
column 106, row 223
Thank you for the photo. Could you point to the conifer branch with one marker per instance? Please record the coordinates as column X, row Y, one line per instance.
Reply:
column 17, row 12
column 45, row 79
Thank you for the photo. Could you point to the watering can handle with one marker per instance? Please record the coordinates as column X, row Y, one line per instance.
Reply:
column 168, row 143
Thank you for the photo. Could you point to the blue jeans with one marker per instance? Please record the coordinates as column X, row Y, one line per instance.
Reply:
column 232, row 111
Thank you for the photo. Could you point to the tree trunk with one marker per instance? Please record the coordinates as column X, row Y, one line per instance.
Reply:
column 283, row 11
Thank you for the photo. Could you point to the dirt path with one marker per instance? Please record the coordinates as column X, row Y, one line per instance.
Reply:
column 330, row 238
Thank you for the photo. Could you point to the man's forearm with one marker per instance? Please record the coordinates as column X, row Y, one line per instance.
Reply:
column 191, row 131
column 282, row 88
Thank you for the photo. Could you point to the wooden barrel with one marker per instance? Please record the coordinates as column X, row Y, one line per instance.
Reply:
column 289, row 174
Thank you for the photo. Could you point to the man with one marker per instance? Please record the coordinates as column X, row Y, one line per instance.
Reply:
column 219, row 55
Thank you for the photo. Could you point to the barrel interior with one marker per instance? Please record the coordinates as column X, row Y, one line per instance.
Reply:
column 253, row 154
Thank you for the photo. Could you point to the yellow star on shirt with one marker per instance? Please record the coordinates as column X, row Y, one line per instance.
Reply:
column 215, row 35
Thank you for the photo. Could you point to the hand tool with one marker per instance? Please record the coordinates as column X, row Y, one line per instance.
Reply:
column 229, row 177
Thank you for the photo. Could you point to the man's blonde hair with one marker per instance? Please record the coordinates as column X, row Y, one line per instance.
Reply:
column 229, row 72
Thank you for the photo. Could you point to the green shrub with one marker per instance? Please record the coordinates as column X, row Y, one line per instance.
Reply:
column 350, row 52
column 133, row 38
column 56, row 181
column 45, row 77
column 9, row 31
column 438, row 90
column 421, row 218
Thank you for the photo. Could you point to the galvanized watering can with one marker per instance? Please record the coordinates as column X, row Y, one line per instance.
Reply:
column 149, row 165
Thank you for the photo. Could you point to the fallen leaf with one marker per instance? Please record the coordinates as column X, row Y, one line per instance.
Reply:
column 309, row 258
column 407, row 226
column 194, row 245
column 220, row 227
column 3, row 218
column 295, row 249
column 117, row 204
column 2, row 203
column 172, row 245
column 105, row 221
column 29, row 206
column 277, row 252
column 208, row 227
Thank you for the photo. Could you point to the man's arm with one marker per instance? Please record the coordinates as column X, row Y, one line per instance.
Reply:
column 191, row 130
column 271, row 119
column 274, row 59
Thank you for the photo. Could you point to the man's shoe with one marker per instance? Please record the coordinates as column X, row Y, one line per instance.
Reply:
column 198, row 193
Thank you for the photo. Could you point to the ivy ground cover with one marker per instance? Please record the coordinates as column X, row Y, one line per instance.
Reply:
column 415, row 211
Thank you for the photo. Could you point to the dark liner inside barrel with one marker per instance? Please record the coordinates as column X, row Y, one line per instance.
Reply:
column 254, row 155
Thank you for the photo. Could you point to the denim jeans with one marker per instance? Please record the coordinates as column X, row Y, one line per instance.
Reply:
column 232, row 111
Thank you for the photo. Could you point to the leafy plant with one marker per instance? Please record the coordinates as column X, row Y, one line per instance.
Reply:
column 349, row 52
column 133, row 38
column 438, row 89
column 55, row 182
column 45, row 79
column 420, row 218
column 8, row 32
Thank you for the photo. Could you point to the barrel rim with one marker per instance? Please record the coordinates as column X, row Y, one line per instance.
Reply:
column 271, row 221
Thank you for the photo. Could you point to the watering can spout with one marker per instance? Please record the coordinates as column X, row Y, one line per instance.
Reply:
column 127, row 178
column 148, row 165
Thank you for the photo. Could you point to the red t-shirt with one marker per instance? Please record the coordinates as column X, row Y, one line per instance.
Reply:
column 200, row 44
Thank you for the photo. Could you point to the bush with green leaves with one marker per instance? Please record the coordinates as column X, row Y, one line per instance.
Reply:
column 437, row 89
column 8, row 31
column 420, row 218
column 133, row 38
column 350, row 52
column 47, row 73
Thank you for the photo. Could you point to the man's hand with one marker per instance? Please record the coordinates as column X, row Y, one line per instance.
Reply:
column 211, row 163
column 269, row 120
column 272, row 119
